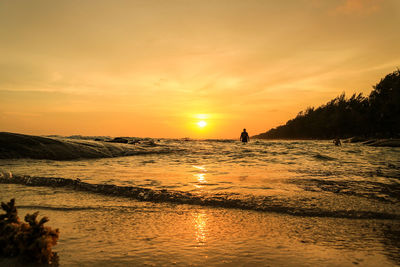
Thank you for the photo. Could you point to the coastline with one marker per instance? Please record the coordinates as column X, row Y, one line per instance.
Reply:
column 15, row 146
column 260, row 203
column 376, row 142
column 318, row 204
column 104, row 230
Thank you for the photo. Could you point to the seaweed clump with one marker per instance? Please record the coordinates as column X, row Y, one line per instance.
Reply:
column 30, row 241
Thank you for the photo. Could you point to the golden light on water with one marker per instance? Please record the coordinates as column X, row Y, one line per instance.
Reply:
column 200, row 218
column 200, row 176
column 200, row 225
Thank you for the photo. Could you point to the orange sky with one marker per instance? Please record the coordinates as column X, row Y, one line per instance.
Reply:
column 151, row 68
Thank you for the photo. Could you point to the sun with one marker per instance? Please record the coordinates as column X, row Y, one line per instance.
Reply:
column 202, row 124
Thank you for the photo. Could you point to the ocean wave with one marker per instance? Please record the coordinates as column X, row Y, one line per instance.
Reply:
column 56, row 208
column 367, row 189
column 323, row 157
column 220, row 140
column 236, row 201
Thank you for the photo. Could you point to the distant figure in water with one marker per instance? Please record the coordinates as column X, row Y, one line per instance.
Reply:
column 337, row 142
column 244, row 137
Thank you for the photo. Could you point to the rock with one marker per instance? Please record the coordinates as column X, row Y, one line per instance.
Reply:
column 384, row 143
column 355, row 139
column 13, row 146
column 134, row 142
column 119, row 140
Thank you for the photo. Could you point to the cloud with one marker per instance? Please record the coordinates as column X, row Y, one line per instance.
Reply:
column 358, row 7
column 21, row 114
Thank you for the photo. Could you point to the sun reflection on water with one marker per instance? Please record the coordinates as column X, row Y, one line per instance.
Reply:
column 200, row 227
column 200, row 176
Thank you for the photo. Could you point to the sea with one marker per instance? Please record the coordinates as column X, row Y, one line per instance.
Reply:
column 219, row 203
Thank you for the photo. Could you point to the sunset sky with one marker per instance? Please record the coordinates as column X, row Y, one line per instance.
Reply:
column 157, row 68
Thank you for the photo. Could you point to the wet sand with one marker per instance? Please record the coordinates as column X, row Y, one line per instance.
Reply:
column 115, row 231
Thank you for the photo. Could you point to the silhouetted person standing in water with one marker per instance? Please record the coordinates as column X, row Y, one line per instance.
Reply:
column 337, row 142
column 244, row 137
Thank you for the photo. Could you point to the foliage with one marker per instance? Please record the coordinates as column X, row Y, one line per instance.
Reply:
column 31, row 241
column 375, row 116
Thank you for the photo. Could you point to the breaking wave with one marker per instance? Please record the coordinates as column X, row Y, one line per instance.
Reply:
column 228, row 200
column 323, row 157
column 56, row 208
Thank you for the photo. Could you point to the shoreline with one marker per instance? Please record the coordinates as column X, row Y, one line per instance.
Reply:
column 376, row 142
column 16, row 146
column 301, row 203
column 260, row 204
column 104, row 230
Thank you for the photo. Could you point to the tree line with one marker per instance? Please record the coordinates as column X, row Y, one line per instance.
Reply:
column 374, row 116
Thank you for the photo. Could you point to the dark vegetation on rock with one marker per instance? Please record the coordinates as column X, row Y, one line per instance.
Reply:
column 31, row 241
column 375, row 116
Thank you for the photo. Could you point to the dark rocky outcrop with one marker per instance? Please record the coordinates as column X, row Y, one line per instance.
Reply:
column 119, row 140
column 13, row 145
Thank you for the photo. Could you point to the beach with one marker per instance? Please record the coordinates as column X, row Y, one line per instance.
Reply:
column 114, row 231
column 217, row 203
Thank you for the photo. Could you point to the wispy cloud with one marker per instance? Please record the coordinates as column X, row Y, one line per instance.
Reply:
column 21, row 114
column 358, row 7
column 142, row 67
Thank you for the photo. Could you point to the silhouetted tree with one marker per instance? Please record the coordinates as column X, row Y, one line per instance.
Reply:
column 385, row 105
column 375, row 116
